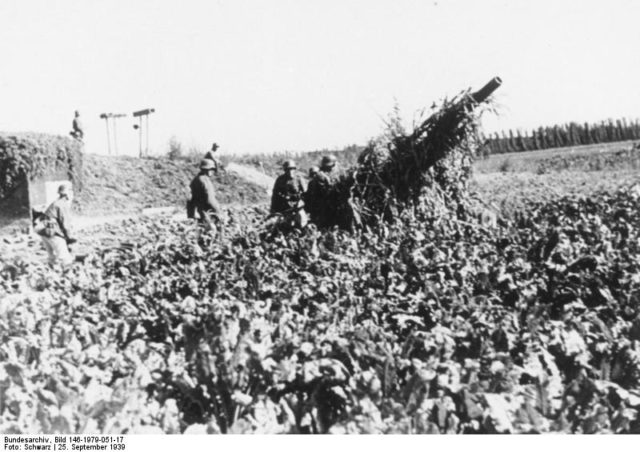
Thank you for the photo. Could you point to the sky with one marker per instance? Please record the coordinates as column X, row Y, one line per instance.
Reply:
column 275, row 75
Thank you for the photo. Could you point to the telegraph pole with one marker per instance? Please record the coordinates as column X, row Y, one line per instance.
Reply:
column 147, row 147
column 114, row 117
column 106, row 121
column 140, row 114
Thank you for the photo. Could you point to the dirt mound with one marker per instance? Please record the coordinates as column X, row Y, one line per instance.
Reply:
column 123, row 184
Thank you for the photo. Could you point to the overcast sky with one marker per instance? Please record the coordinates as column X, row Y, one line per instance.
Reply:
column 264, row 76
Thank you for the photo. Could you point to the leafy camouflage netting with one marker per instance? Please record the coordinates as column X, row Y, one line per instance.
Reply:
column 398, row 169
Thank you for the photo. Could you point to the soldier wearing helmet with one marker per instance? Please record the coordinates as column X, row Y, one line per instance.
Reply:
column 54, row 228
column 203, row 199
column 211, row 155
column 320, row 197
column 327, row 175
column 287, row 190
column 328, row 163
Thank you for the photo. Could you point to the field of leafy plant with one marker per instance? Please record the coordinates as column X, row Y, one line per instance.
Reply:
column 608, row 157
column 432, row 324
column 511, row 192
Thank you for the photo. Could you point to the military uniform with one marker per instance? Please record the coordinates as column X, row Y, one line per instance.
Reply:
column 311, row 199
column 287, row 191
column 55, row 232
column 203, row 199
column 321, row 198
column 77, row 131
column 210, row 156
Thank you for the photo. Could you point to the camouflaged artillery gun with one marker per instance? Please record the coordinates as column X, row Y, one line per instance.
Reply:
column 395, row 172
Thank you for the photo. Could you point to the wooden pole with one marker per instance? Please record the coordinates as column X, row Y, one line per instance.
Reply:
column 140, row 136
column 147, row 128
column 115, row 137
column 106, row 120
column 139, row 114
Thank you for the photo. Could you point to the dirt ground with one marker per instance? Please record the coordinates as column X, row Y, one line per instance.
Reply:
column 129, row 184
column 118, row 189
column 123, row 189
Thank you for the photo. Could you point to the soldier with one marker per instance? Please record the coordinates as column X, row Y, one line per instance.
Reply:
column 313, row 171
column 287, row 190
column 211, row 155
column 327, row 168
column 54, row 228
column 320, row 196
column 203, row 200
column 76, row 125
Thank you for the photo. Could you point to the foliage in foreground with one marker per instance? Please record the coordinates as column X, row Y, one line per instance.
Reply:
column 432, row 324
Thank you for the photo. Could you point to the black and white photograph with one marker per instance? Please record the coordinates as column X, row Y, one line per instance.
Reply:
column 294, row 217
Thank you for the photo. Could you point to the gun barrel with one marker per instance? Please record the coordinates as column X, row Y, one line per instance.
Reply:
column 487, row 90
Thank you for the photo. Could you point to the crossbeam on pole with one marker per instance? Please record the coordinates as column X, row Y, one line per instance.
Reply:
column 113, row 117
column 140, row 114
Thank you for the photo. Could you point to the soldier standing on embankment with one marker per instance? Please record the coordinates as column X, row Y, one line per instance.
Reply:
column 211, row 155
column 77, row 131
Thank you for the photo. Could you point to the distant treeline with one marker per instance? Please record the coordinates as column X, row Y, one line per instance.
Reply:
column 566, row 135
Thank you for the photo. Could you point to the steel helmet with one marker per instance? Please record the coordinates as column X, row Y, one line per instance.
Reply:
column 207, row 164
column 313, row 170
column 289, row 164
column 328, row 161
column 64, row 189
